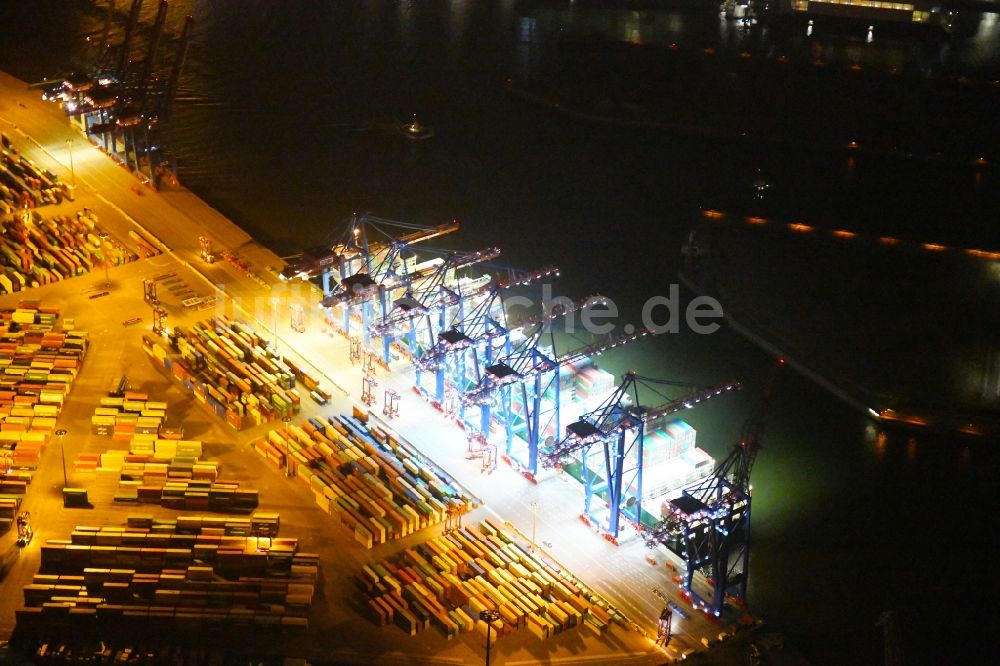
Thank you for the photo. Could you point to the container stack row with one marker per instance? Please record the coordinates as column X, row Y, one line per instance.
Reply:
column 448, row 580
column 378, row 487
column 23, row 184
column 39, row 361
column 13, row 485
column 191, row 495
column 42, row 251
column 260, row 523
column 150, row 459
column 148, row 470
column 122, row 417
column 225, row 364
column 141, row 575
column 311, row 384
column 230, row 557
column 154, row 470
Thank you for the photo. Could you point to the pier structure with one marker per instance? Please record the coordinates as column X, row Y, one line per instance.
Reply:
column 621, row 573
column 505, row 385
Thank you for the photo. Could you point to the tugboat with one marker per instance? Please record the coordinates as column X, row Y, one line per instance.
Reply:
column 414, row 130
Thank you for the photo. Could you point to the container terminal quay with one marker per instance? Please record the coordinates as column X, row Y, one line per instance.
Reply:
column 377, row 484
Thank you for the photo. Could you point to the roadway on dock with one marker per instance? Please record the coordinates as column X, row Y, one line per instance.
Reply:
column 620, row 574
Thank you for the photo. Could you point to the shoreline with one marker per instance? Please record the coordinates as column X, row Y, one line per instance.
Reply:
column 178, row 224
column 976, row 424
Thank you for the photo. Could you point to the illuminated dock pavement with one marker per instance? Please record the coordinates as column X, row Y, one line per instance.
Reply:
column 620, row 574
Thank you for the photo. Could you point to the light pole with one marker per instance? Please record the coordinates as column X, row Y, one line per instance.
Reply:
column 534, row 518
column 72, row 171
column 288, row 468
column 489, row 617
column 62, row 453
column 274, row 304
column 105, row 236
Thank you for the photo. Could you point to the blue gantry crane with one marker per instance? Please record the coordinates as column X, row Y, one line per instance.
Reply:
column 467, row 344
column 365, row 268
column 618, row 426
column 521, row 390
column 372, row 266
column 708, row 525
column 428, row 296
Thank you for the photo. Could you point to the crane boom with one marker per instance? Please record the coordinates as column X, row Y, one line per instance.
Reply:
column 421, row 235
column 522, row 366
column 557, row 310
column 430, row 291
column 460, row 333
column 523, row 279
column 690, row 400
column 601, row 423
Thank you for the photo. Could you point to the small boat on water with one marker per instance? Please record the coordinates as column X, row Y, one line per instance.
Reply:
column 414, row 130
column 760, row 186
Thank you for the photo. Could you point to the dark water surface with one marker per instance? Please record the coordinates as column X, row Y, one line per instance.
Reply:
column 285, row 122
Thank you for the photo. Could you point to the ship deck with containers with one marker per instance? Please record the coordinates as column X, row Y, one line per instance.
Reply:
column 405, row 461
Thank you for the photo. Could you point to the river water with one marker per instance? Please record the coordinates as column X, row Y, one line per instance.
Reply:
column 285, row 121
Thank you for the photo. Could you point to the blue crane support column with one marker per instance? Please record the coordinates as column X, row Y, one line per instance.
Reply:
column 420, row 370
column 366, row 317
column 534, row 419
column 621, row 498
column 554, row 385
column 506, row 398
column 326, row 282
column 439, row 387
column 347, row 312
column 485, row 408
column 460, row 376
column 588, row 479
column 745, row 571
column 616, row 506
column 614, row 461
column 534, row 405
column 540, row 397
column 386, row 339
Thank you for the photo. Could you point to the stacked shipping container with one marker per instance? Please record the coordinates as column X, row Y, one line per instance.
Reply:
column 448, row 580
column 44, row 251
column 38, row 363
column 225, row 364
column 173, row 575
column 378, row 487
column 13, row 486
column 24, row 184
